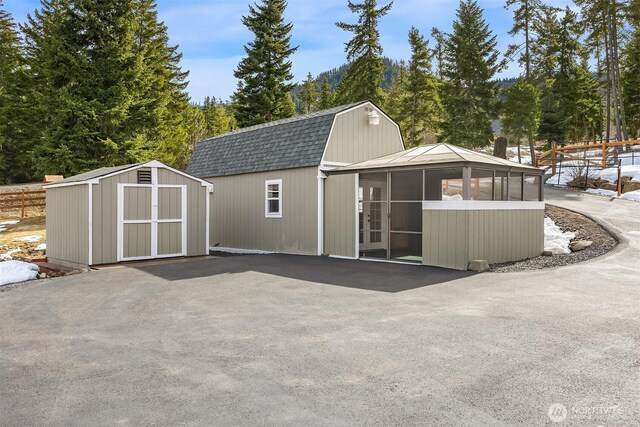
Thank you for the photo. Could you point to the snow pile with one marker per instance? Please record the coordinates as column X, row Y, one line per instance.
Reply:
column 555, row 239
column 30, row 239
column 41, row 247
column 602, row 192
column 8, row 255
column 631, row 195
column 570, row 171
column 17, row 271
column 3, row 225
column 454, row 197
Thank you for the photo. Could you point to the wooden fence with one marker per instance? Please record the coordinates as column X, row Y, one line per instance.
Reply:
column 22, row 201
column 608, row 153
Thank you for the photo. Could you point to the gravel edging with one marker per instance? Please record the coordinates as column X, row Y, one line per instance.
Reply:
column 584, row 228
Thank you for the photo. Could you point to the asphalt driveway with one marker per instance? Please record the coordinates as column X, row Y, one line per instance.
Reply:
column 264, row 340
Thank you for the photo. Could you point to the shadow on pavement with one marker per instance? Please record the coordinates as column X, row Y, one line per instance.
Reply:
column 374, row 276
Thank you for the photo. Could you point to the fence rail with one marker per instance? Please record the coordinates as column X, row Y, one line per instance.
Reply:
column 22, row 201
column 608, row 153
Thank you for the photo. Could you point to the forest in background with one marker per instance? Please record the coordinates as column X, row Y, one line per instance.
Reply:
column 87, row 83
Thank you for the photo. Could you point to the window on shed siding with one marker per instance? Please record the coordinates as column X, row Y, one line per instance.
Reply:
column 273, row 198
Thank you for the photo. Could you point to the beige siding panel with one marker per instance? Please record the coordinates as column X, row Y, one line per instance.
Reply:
column 137, row 240
column 238, row 212
column 340, row 216
column 68, row 225
column 452, row 238
column 170, row 203
column 169, row 238
column 137, row 202
column 354, row 140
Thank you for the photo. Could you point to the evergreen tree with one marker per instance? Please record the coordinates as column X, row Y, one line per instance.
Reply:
column 326, row 96
column 521, row 112
column 544, row 48
column 524, row 17
column 364, row 53
column 438, row 36
column 218, row 119
column 265, row 73
column 469, row 92
column 551, row 127
column 423, row 106
column 631, row 78
column 396, row 100
column 16, row 126
column 309, row 94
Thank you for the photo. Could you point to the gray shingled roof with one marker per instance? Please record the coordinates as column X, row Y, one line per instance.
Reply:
column 284, row 144
column 97, row 173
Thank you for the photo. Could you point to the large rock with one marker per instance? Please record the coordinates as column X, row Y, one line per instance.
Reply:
column 580, row 245
column 630, row 186
column 479, row 265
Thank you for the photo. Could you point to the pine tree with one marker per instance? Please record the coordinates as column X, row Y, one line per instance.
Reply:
column 438, row 36
column 364, row 53
column 469, row 92
column 218, row 119
column 521, row 111
column 309, row 94
column 16, row 125
column 397, row 99
column 80, row 59
column 524, row 17
column 265, row 73
column 544, row 48
column 326, row 96
column 631, row 78
column 423, row 104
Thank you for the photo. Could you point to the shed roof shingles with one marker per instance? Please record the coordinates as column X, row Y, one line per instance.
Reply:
column 284, row 144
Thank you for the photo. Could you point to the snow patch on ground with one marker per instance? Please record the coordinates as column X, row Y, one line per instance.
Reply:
column 12, row 222
column 602, row 192
column 17, row 271
column 566, row 175
column 631, row 195
column 555, row 238
column 8, row 255
column 41, row 247
column 30, row 239
column 454, row 197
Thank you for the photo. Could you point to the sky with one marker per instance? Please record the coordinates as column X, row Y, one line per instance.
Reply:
column 211, row 35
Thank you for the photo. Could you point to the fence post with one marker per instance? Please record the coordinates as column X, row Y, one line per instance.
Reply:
column 586, row 178
column 22, row 203
column 559, row 173
column 619, row 184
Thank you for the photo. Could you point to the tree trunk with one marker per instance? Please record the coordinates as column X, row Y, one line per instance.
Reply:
column 500, row 147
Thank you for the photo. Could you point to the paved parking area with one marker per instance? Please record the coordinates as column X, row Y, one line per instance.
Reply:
column 285, row 340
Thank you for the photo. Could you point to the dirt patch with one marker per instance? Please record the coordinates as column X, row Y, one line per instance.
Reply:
column 15, row 234
column 584, row 229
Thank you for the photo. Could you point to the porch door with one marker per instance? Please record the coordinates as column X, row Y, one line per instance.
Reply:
column 373, row 216
column 151, row 221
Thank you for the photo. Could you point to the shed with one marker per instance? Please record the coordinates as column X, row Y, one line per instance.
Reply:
column 125, row 213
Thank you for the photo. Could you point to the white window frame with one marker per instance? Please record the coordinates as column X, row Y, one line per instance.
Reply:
column 267, row 183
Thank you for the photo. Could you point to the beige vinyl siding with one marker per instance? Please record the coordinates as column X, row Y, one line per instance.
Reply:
column 353, row 139
column 452, row 238
column 339, row 215
column 238, row 212
column 68, row 225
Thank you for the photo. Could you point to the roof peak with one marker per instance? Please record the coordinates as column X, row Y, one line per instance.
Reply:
column 328, row 111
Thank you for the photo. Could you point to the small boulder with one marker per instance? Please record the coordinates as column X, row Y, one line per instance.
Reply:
column 580, row 245
column 478, row 265
column 630, row 186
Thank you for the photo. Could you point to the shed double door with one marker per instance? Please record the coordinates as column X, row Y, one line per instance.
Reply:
column 151, row 221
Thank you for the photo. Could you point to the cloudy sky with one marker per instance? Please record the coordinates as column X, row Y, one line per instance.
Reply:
column 211, row 36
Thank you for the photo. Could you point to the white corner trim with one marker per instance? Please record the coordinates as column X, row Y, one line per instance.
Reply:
column 208, row 220
column 320, row 226
column 90, row 231
column 479, row 205
column 357, row 215
column 277, row 182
